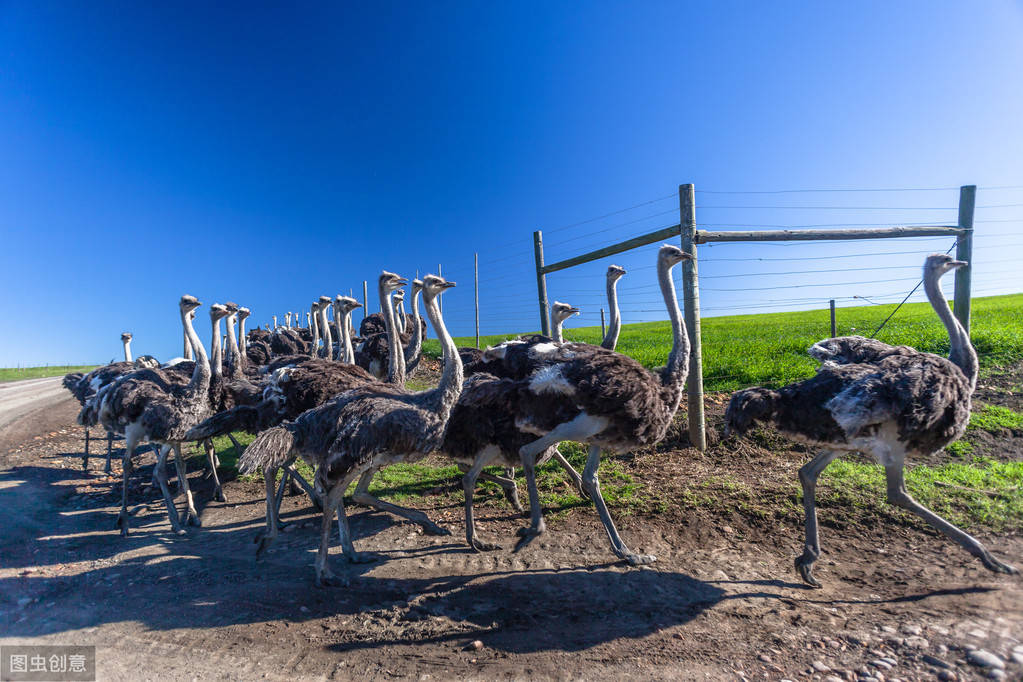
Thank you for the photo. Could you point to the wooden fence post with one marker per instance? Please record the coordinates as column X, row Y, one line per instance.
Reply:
column 476, row 283
column 691, row 298
column 834, row 329
column 541, row 284
column 964, row 251
column 602, row 332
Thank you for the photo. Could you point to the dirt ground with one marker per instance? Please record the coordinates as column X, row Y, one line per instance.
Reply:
column 721, row 602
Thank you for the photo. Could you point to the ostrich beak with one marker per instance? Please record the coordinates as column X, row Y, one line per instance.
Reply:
column 448, row 285
column 958, row 264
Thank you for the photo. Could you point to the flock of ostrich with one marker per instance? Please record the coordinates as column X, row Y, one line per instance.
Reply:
column 340, row 402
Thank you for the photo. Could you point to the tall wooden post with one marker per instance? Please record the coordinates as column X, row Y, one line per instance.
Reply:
column 834, row 330
column 476, row 283
column 691, row 299
column 964, row 251
column 541, row 284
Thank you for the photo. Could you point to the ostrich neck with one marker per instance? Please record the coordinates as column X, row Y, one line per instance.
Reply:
column 316, row 332
column 443, row 398
column 415, row 345
column 200, row 382
column 614, row 326
column 675, row 372
column 399, row 315
column 216, row 362
column 233, row 353
column 187, row 354
column 395, row 360
column 328, row 342
column 340, row 355
column 241, row 340
column 558, row 335
column 127, row 350
column 349, row 354
column 961, row 352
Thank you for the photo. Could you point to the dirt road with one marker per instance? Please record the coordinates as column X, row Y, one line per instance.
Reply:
column 722, row 602
column 18, row 398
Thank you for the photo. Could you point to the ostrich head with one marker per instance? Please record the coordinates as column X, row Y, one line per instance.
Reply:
column 399, row 296
column 347, row 304
column 188, row 304
column 434, row 286
column 615, row 272
column 937, row 264
column 390, row 282
column 417, row 286
column 243, row 313
column 670, row 255
column 562, row 311
column 324, row 301
column 231, row 307
column 218, row 312
column 126, row 337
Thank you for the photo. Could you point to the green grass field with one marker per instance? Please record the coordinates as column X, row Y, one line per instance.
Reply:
column 17, row 374
column 770, row 349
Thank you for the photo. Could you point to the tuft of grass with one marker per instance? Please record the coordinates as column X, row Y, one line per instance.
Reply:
column 19, row 373
column 769, row 349
column 994, row 418
column 960, row 448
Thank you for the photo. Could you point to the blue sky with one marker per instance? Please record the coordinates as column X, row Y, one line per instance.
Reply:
column 268, row 155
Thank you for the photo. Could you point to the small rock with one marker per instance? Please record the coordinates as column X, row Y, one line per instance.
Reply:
column 936, row 662
column 303, row 609
column 476, row 645
column 978, row 633
column 883, row 665
column 1017, row 656
column 888, row 630
column 765, row 658
column 820, row 667
column 910, row 629
column 984, row 659
column 832, row 678
column 946, row 676
column 890, row 661
column 24, row 601
column 996, row 674
column 917, row 642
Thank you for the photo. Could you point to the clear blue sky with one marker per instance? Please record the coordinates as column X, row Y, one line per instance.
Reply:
column 268, row 155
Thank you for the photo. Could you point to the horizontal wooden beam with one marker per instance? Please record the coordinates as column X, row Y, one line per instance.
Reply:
column 704, row 236
column 633, row 243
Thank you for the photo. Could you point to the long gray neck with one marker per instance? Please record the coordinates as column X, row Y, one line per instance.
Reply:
column 217, row 361
column 200, row 382
column 346, row 337
column 395, row 360
column 233, row 352
column 241, row 340
column 415, row 346
column 674, row 374
column 340, row 355
column 316, row 331
column 399, row 315
column 127, row 350
column 443, row 398
column 328, row 342
column 187, row 353
column 558, row 335
column 615, row 323
column 961, row 352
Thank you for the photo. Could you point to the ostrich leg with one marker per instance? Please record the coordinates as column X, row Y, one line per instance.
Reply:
column 812, row 547
column 469, row 486
column 218, row 492
column 266, row 536
column 110, row 447
column 577, row 480
column 192, row 516
column 898, row 495
column 507, row 483
column 122, row 516
column 85, row 459
column 160, row 475
column 362, row 496
column 593, row 488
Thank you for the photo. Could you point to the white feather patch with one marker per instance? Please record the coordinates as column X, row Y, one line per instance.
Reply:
column 542, row 349
column 550, row 379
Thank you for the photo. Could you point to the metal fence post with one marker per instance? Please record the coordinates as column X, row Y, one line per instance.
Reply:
column 691, row 298
column 602, row 332
column 541, row 284
column 834, row 329
column 476, row 289
column 365, row 300
column 964, row 251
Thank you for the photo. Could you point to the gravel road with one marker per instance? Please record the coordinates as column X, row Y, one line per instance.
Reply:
column 18, row 398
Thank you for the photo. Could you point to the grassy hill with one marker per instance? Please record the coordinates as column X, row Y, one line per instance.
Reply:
column 770, row 348
column 17, row 374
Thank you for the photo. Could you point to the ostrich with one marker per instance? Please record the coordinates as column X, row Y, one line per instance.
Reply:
column 84, row 388
column 559, row 313
column 607, row 400
column 614, row 327
column 513, row 359
column 243, row 314
column 889, row 402
column 364, row 429
column 398, row 302
column 314, row 314
column 343, row 307
column 156, row 405
column 287, row 320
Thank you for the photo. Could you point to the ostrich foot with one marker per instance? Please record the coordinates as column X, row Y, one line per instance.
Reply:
column 804, row 564
column 219, row 495
column 527, row 535
column 122, row 523
column 512, row 495
column 364, row 557
column 996, row 566
column 431, row 528
column 481, row 546
column 639, row 559
column 263, row 543
column 328, row 579
column 192, row 519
